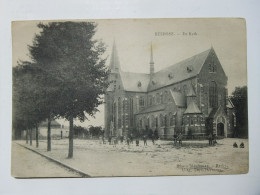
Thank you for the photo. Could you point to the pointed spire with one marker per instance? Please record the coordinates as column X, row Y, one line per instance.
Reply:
column 151, row 58
column 151, row 61
column 114, row 61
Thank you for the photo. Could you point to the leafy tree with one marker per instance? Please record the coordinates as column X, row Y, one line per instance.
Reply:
column 71, row 58
column 96, row 130
column 239, row 99
column 80, row 131
column 27, row 113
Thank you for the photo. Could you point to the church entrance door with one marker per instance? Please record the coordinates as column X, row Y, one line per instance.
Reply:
column 220, row 129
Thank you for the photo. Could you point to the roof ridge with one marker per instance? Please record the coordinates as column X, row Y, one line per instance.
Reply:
column 185, row 60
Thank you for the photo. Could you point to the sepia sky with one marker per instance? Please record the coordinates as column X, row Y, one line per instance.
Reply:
column 134, row 37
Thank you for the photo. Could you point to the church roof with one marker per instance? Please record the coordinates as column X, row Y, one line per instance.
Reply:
column 178, row 98
column 180, row 71
column 192, row 109
column 154, row 108
column 137, row 82
column 229, row 103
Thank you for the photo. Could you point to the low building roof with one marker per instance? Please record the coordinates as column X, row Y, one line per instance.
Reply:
column 191, row 92
column 153, row 108
column 192, row 108
column 178, row 98
column 229, row 103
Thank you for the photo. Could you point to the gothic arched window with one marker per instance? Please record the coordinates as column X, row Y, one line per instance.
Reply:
column 161, row 120
column 141, row 101
column 165, row 96
column 150, row 100
column 119, row 113
column 158, row 98
column 185, row 89
column 131, row 112
column 213, row 95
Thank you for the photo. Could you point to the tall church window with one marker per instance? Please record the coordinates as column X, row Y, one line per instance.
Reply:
column 119, row 113
column 114, row 114
column 150, row 100
column 185, row 89
column 165, row 96
column 172, row 119
column 153, row 121
column 153, row 100
column 131, row 112
column 213, row 96
column 161, row 98
column 166, row 120
column 212, row 65
column 158, row 98
column 141, row 124
column 141, row 101
column 161, row 120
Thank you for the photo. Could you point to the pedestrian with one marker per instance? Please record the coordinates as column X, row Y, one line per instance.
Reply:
column 242, row 145
column 137, row 142
column 175, row 139
column 145, row 140
column 103, row 139
column 235, row 145
column 115, row 141
column 131, row 138
column 128, row 141
column 180, row 139
column 214, row 139
column 109, row 140
column 100, row 139
column 153, row 138
column 210, row 139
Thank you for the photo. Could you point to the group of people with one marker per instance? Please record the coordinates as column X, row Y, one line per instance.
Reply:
column 212, row 139
column 242, row 145
column 112, row 140
column 177, row 138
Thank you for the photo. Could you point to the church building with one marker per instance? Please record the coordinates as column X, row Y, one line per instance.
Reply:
column 189, row 97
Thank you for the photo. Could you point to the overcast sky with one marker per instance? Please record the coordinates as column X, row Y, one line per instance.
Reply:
column 134, row 37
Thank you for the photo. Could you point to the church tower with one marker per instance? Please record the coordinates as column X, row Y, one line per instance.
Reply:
column 110, row 100
column 151, row 63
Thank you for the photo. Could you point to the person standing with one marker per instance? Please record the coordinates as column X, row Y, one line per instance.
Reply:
column 180, row 139
column 153, row 138
column 210, row 139
column 145, row 140
column 175, row 139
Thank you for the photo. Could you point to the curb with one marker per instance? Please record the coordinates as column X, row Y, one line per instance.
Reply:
column 56, row 161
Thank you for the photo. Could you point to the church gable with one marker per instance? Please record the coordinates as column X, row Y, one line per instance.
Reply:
column 212, row 69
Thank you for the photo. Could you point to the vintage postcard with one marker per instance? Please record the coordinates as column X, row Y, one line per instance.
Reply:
column 129, row 97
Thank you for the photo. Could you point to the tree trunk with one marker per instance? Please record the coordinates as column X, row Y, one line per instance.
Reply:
column 71, row 134
column 49, row 134
column 26, row 136
column 30, row 136
column 37, row 135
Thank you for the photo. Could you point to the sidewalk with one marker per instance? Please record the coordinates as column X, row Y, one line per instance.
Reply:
column 106, row 160
column 36, row 165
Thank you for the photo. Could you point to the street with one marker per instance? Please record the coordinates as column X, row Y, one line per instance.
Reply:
column 193, row 158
